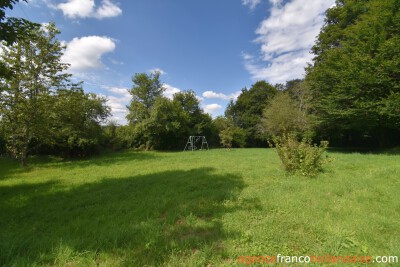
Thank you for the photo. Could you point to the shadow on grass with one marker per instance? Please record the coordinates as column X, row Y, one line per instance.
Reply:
column 9, row 167
column 135, row 221
column 109, row 158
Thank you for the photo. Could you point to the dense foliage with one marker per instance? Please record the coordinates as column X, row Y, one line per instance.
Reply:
column 246, row 111
column 37, row 73
column 12, row 29
column 283, row 114
column 40, row 110
column 300, row 156
column 76, row 122
column 355, row 78
column 156, row 122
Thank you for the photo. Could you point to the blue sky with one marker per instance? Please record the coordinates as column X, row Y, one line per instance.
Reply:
column 214, row 47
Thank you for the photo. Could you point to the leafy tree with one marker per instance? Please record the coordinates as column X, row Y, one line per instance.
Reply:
column 283, row 115
column 299, row 91
column 76, row 122
column 169, row 124
column 217, row 126
column 146, row 89
column 199, row 123
column 113, row 137
column 229, row 134
column 232, row 136
column 226, row 137
column 247, row 110
column 12, row 29
column 9, row 27
column 25, row 96
column 157, row 122
column 355, row 78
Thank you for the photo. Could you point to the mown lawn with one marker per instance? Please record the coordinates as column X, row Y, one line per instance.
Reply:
column 202, row 208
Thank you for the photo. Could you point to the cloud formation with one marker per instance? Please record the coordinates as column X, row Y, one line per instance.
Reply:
column 162, row 72
column 117, row 102
column 85, row 53
column 211, row 108
column 286, row 38
column 251, row 3
column 170, row 90
column 212, row 94
column 87, row 9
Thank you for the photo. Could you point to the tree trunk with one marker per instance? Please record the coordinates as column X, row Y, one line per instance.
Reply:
column 24, row 161
column 25, row 145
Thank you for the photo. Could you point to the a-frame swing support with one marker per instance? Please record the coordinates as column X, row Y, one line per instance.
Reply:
column 193, row 140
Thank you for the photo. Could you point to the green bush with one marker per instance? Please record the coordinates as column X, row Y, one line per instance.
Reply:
column 300, row 156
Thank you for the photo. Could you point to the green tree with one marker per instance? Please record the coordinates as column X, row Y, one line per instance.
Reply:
column 157, row 122
column 228, row 134
column 226, row 137
column 169, row 124
column 199, row 123
column 232, row 136
column 146, row 89
column 283, row 115
column 76, row 122
column 12, row 29
column 247, row 110
column 355, row 78
column 25, row 96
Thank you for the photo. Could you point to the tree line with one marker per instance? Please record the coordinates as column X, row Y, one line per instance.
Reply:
column 350, row 95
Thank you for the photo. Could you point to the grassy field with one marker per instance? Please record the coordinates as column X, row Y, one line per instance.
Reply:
column 203, row 208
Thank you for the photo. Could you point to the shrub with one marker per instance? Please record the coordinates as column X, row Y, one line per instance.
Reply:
column 232, row 136
column 300, row 156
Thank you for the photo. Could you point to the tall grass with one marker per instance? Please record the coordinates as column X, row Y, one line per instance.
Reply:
column 203, row 208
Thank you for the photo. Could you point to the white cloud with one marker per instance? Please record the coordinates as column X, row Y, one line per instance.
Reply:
column 107, row 10
column 286, row 38
column 247, row 56
column 118, row 101
column 211, row 94
column 116, row 104
column 199, row 98
column 162, row 72
column 85, row 53
column 77, row 8
column 116, row 62
column 118, row 109
column 275, row 2
column 251, row 3
column 87, row 9
column 170, row 90
column 121, row 91
column 211, row 108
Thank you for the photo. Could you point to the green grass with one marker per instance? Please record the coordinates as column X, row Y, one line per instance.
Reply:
column 201, row 208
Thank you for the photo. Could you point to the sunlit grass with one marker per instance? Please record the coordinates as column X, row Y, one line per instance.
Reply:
column 194, row 209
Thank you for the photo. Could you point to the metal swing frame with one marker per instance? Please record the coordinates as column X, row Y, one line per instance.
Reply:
column 191, row 143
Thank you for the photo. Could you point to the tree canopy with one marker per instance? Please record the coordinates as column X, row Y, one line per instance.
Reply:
column 12, row 29
column 39, row 106
column 355, row 78
column 157, row 122
column 246, row 111
column 37, row 72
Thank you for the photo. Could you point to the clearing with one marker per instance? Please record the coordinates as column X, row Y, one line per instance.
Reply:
column 202, row 208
